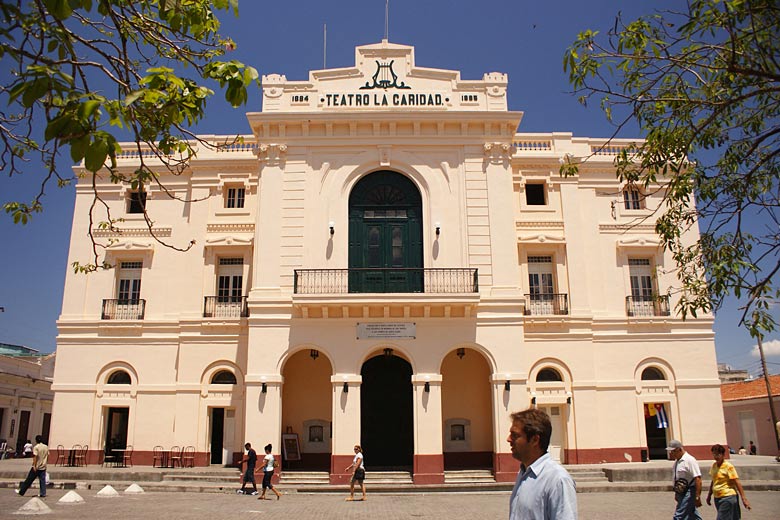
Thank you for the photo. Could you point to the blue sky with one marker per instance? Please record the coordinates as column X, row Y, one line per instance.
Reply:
column 524, row 39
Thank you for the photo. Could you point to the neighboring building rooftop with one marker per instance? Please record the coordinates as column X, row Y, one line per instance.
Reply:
column 6, row 349
column 749, row 389
column 730, row 375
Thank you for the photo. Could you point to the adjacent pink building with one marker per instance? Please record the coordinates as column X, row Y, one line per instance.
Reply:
column 747, row 414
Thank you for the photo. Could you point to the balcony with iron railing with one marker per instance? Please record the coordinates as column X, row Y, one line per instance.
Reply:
column 647, row 306
column 386, row 280
column 225, row 307
column 403, row 293
column 546, row 304
column 115, row 309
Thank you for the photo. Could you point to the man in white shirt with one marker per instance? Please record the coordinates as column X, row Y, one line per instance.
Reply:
column 686, row 476
column 544, row 490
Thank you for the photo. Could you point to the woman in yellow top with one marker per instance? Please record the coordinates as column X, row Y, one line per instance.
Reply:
column 725, row 486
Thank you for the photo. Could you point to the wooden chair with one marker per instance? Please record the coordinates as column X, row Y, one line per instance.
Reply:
column 188, row 458
column 158, row 453
column 109, row 457
column 62, row 457
column 175, row 456
column 81, row 456
column 128, row 456
column 73, row 455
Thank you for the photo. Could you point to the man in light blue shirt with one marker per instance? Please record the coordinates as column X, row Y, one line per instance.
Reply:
column 543, row 489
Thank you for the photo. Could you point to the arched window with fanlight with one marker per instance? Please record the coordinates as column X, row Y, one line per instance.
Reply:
column 119, row 377
column 223, row 377
column 548, row 375
column 652, row 374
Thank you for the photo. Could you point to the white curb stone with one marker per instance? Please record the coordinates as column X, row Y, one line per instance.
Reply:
column 108, row 492
column 35, row 506
column 71, row 497
column 134, row 489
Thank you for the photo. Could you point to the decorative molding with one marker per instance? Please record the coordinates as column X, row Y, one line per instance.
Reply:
column 131, row 232
column 229, row 240
column 129, row 245
column 541, row 239
column 271, row 153
column 539, row 224
column 638, row 242
column 627, row 228
column 384, row 155
column 233, row 227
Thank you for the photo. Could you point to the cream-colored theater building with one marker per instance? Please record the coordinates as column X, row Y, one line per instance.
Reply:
column 383, row 261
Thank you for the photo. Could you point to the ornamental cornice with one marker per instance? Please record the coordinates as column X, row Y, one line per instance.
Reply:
column 539, row 224
column 541, row 239
column 229, row 241
column 131, row 232
column 639, row 242
column 233, row 227
column 627, row 228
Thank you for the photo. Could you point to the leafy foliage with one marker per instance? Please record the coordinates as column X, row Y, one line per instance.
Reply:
column 704, row 86
column 85, row 73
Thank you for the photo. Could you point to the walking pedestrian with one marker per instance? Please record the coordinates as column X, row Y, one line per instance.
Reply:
column 725, row 485
column 544, row 490
column 248, row 463
column 38, row 470
column 269, row 463
column 358, row 474
column 686, row 476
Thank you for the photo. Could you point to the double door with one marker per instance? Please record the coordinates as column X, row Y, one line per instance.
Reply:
column 387, row 261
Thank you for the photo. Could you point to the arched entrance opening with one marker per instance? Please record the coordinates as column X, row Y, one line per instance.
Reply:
column 307, row 410
column 466, row 407
column 386, row 416
column 385, row 235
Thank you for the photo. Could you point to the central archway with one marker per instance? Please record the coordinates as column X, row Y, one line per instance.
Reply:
column 386, row 416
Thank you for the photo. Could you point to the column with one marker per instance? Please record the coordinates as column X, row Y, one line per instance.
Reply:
column 428, row 448
column 346, row 424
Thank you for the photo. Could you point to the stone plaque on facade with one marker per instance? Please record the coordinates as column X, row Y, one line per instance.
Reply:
column 386, row 330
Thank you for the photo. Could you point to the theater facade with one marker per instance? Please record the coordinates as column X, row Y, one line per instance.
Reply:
column 383, row 261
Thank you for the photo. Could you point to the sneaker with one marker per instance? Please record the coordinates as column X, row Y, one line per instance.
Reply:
column 239, row 491
column 16, row 491
column 254, row 493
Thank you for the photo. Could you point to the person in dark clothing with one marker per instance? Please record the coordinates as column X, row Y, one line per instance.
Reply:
column 250, row 462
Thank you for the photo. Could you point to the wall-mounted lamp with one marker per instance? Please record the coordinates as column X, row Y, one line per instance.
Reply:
column 460, row 353
column 568, row 397
column 507, row 385
column 533, row 400
column 265, row 388
column 332, row 227
column 427, row 387
column 388, row 352
column 314, row 353
column 345, row 388
column 438, row 228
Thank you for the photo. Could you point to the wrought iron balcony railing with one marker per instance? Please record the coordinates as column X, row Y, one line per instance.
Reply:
column 225, row 307
column 647, row 305
column 546, row 304
column 390, row 280
column 123, row 309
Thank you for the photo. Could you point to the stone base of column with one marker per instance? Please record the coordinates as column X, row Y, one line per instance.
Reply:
column 505, row 467
column 337, row 464
column 428, row 469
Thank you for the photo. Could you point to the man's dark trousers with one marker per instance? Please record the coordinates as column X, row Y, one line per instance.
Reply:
column 41, row 475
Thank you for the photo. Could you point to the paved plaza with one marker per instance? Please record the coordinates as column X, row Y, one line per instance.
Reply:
column 211, row 506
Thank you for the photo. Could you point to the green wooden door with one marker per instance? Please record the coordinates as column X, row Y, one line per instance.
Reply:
column 385, row 253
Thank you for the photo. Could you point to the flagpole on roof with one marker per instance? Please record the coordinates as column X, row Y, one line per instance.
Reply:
column 387, row 20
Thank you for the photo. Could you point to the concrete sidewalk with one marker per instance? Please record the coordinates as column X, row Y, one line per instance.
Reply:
column 756, row 473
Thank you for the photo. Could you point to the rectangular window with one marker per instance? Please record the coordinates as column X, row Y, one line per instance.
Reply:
column 136, row 201
column 230, row 282
column 632, row 199
column 129, row 283
column 234, row 197
column 535, row 194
